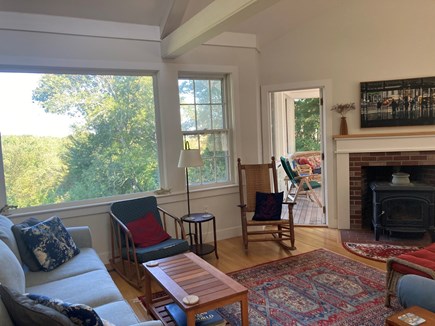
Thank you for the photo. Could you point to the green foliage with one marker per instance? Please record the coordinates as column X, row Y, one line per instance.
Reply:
column 112, row 150
column 33, row 169
column 307, row 116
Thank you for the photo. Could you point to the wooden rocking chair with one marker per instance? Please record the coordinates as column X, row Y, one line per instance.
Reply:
column 262, row 178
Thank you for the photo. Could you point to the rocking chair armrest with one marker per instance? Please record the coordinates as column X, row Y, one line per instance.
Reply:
column 122, row 226
column 176, row 219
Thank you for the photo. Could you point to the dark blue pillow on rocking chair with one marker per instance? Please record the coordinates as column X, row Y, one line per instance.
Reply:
column 268, row 206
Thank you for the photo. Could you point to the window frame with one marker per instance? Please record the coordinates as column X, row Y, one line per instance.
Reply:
column 90, row 202
column 225, row 79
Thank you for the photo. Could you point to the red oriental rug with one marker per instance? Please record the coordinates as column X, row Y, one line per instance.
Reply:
column 315, row 288
column 378, row 252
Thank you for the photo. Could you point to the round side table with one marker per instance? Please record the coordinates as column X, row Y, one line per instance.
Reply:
column 196, row 245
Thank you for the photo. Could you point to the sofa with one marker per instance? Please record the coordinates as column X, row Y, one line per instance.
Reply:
column 83, row 279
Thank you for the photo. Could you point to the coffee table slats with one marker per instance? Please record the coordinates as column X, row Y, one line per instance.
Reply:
column 188, row 274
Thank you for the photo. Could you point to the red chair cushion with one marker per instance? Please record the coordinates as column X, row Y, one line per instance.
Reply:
column 424, row 257
column 146, row 231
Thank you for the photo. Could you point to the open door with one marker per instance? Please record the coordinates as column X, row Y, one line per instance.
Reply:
column 296, row 120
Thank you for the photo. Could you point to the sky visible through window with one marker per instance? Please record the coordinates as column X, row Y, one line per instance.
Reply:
column 20, row 116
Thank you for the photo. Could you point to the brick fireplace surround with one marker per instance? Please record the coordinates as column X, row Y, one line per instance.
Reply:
column 355, row 152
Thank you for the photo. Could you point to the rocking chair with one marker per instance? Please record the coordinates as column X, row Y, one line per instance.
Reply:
column 138, row 235
column 255, row 179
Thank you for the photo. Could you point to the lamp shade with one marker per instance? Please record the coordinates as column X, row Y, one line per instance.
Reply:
column 190, row 158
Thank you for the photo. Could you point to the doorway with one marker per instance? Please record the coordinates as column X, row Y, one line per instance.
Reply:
column 296, row 120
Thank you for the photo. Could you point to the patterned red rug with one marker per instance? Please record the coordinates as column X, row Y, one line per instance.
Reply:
column 315, row 288
column 378, row 252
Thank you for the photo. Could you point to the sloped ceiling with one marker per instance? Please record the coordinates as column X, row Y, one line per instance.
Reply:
column 269, row 19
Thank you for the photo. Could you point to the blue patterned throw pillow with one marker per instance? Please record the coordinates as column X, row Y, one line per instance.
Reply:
column 79, row 314
column 50, row 242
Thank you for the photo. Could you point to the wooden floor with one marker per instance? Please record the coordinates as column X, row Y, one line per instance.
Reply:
column 307, row 211
column 232, row 256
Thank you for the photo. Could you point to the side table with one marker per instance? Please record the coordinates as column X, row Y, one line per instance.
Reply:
column 196, row 245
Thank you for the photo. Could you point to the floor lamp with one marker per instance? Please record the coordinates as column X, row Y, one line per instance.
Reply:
column 189, row 158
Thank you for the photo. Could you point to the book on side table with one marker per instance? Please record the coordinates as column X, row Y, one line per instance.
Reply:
column 209, row 318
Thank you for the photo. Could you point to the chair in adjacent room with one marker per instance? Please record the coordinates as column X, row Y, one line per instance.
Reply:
column 139, row 234
column 303, row 184
column 258, row 187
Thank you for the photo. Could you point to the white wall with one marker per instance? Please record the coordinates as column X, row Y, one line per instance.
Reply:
column 20, row 49
column 356, row 41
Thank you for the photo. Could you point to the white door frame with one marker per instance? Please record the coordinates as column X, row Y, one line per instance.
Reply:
column 328, row 146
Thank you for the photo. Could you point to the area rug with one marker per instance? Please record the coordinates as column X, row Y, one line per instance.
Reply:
column 315, row 288
column 378, row 252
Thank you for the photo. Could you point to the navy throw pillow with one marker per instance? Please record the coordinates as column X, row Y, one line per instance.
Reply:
column 268, row 206
column 50, row 242
column 79, row 314
column 27, row 256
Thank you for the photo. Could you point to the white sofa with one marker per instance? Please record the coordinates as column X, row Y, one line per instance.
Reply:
column 83, row 279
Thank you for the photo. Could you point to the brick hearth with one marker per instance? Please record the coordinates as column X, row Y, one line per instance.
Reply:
column 358, row 184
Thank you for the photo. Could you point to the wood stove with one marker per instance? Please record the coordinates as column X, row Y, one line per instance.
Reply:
column 403, row 208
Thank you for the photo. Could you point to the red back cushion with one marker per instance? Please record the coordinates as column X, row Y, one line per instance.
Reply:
column 146, row 231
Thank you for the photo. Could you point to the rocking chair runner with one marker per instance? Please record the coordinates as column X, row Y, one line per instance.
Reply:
column 142, row 214
column 262, row 178
column 299, row 184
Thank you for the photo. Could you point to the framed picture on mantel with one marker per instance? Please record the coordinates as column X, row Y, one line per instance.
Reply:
column 400, row 102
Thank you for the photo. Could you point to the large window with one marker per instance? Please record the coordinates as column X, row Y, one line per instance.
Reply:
column 204, row 124
column 68, row 137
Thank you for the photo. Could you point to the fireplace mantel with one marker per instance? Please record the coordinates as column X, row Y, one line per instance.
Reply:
column 370, row 143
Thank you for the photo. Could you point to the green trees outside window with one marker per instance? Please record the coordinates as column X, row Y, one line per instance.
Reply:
column 111, row 148
column 307, row 129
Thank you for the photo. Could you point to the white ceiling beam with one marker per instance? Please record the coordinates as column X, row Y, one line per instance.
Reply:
column 210, row 22
column 173, row 17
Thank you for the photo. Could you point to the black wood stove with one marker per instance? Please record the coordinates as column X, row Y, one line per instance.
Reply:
column 403, row 208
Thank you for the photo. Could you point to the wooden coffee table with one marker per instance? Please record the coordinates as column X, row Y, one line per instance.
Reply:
column 188, row 274
column 395, row 321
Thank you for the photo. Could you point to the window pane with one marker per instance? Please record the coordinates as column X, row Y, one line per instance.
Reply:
column 209, row 171
column 216, row 91
column 202, row 91
column 185, row 87
column 218, row 116
column 84, row 137
column 222, row 166
column 203, row 117
column 207, row 145
column 187, row 115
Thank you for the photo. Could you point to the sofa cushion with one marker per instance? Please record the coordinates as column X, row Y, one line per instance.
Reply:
column 79, row 314
column 93, row 289
column 7, row 236
column 118, row 313
column 424, row 257
column 50, row 242
column 168, row 248
column 25, row 311
column 11, row 272
column 27, row 256
column 87, row 261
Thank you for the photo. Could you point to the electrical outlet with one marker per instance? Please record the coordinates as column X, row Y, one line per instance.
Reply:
column 205, row 209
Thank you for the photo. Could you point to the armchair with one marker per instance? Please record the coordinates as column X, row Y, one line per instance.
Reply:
column 138, row 235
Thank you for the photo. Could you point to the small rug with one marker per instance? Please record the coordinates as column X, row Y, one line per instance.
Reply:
column 315, row 288
column 378, row 252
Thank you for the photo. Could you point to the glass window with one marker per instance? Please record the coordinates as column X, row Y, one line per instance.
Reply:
column 68, row 137
column 203, row 111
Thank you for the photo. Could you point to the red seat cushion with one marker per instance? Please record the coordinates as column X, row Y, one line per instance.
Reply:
column 424, row 257
column 146, row 231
